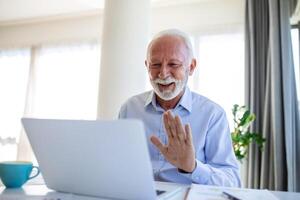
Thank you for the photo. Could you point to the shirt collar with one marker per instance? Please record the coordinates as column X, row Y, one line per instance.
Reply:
column 150, row 98
column 185, row 101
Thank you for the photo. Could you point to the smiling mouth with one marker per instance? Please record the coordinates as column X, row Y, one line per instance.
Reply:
column 166, row 86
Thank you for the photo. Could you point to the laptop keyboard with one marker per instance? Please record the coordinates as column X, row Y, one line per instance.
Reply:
column 159, row 192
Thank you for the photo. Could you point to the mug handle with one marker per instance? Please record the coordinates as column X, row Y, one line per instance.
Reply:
column 37, row 173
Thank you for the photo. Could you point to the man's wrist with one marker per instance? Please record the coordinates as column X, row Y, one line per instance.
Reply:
column 184, row 172
column 188, row 172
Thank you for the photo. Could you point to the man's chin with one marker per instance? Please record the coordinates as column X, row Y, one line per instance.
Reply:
column 166, row 92
column 166, row 95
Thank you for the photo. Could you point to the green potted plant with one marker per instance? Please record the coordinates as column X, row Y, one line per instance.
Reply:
column 241, row 136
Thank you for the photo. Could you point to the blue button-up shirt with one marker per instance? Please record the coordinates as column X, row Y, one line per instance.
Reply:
column 216, row 163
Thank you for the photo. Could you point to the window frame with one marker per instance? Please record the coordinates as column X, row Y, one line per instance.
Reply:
column 297, row 27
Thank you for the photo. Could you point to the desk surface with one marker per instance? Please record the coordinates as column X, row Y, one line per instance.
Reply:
column 287, row 195
column 41, row 192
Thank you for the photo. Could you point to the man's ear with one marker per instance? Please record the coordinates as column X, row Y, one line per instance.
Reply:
column 192, row 66
column 146, row 64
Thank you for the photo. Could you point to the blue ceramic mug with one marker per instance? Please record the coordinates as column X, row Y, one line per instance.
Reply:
column 14, row 174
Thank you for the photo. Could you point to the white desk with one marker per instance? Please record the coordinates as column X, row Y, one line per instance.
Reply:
column 287, row 195
column 41, row 192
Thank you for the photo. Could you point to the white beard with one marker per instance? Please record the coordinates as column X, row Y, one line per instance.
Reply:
column 169, row 94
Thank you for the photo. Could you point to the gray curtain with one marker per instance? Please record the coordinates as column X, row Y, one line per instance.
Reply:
column 271, row 95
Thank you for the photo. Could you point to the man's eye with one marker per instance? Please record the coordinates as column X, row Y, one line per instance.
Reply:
column 174, row 65
column 155, row 65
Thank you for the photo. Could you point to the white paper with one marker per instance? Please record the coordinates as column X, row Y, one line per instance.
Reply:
column 172, row 191
column 205, row 192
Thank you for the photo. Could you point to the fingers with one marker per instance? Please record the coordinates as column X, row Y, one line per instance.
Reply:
column 169, row 121
column 167, row 124
column 174, row 129
column 189, row 137
column 156, row 141
column 170, row 126
column 181, row 135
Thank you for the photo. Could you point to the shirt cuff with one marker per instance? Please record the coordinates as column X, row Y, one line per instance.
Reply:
column 201, row 174
column 185, row 174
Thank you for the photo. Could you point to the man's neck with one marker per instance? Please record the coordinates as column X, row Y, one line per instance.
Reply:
column 170, row 104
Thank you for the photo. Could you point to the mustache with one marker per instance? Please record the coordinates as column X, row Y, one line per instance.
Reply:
column 166, row 81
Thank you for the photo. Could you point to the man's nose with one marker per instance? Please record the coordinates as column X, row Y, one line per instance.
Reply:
column 164, row 71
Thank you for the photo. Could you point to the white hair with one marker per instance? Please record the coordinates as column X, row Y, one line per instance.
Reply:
column 175, row 32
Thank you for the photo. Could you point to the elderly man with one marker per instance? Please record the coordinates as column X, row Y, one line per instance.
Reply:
column 190, row 137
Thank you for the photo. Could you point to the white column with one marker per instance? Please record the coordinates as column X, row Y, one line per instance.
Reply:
column 124, row 41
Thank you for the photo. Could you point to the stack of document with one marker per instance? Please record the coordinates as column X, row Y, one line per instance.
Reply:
column 205, row 192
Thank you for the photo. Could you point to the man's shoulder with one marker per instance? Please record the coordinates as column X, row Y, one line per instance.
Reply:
column 138, row 99
column 203, row 102
column 136, row 102
column 134, row 105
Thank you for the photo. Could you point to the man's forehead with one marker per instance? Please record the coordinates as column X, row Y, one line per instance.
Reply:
column 168, row 41
column 173, row 46
column 159, row 57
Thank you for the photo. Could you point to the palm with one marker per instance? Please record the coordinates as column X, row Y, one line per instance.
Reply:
column 176, row 157
column 179, row 150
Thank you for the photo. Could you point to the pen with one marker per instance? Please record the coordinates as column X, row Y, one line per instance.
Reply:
column 187, row 193
column 230, row 196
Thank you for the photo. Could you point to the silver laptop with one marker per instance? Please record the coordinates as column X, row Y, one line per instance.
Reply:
column 107, row 159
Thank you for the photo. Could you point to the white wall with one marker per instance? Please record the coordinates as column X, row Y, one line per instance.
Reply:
column 202, row 17
column 197, row 17
column 49, row 31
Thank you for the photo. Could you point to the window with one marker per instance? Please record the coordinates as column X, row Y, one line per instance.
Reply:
column 58, row 81
column 295, row 43
column 220, row 73
column 66, row 81
column 14, row 70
